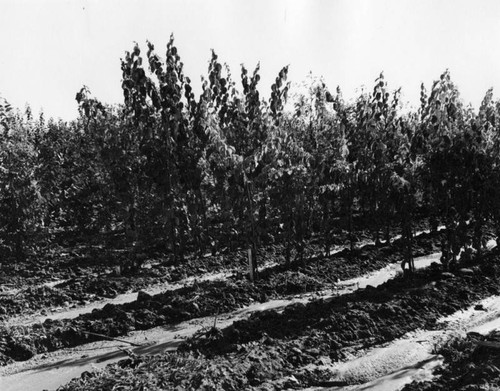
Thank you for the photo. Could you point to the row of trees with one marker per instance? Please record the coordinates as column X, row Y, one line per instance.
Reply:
column 195, row 173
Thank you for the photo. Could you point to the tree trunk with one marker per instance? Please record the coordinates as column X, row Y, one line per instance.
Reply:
column 326, row 228
column 130, row 221
column 349, row 225
column 253, row 237
column 407, row 236
column 478, row 235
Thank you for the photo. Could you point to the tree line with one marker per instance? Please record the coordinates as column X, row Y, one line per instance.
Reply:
column 230, row 168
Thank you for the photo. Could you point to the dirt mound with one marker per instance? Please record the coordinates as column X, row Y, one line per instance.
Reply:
column 200, row 299
column 32, row 299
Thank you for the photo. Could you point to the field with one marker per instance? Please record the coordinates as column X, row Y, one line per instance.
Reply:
column 228, row 241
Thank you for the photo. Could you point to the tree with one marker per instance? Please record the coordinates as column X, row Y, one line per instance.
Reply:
column 21, row 205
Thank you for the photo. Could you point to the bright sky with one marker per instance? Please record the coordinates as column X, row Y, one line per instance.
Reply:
column 50, row 48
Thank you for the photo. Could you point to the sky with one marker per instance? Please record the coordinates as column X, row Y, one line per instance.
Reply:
column 49, row 49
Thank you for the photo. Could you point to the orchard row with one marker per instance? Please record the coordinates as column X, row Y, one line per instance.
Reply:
column 229, row 168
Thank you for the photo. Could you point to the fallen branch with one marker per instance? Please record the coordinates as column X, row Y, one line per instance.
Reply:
column 111, row 338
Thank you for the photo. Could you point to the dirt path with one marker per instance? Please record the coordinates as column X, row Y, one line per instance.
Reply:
column 393, row 365
column 15, row 291
column 383, row 368
column 48, row 371
column 74, row 311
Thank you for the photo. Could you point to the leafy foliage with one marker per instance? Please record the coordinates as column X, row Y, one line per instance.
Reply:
column 182, row 173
